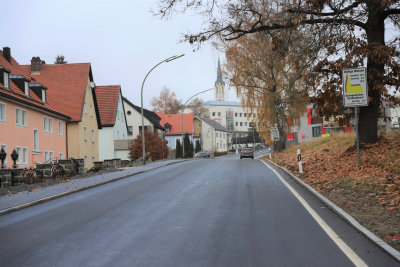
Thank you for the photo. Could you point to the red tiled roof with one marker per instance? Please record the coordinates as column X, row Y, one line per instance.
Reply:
column 66, row 85
column 175, row 120
column 16, row 94
column 107, row 101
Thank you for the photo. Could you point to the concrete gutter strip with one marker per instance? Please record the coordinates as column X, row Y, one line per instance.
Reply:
column 379, row 242
column 85, row 187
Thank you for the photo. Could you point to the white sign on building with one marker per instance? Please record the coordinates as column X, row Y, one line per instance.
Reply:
column 355, row 91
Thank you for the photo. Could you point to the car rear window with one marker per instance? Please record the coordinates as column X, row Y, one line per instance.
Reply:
column 246, row 149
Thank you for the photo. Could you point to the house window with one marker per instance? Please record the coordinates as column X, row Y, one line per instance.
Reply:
column 91, row 110
column 45, row 124
column 24, row 118
column 213, row 114
column 26, row 89
column 25, row 156
column 44, row 95
column 17, row 116
column 316, row 131
column 60, row 130
column 84, row 107
column 219, row 114
column 35, row 140
column 237, row 123
column 19, row 152
column 85, row 162
column 235, row 114
column 245, row 123
column 245, row 114
column 2, row 112
column 51, row 154
column 92, row 136
column 61, row 155
column 50, row 125
column 241, row 123
column 84, row 134
column 240, row 115
column 6, row 84
column 93, row 159
column 46, row 156
column 130, row 130
column 4, row 147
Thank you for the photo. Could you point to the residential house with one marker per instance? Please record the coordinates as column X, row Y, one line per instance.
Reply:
column 113, row 135
column 173, row 128
column 71, row 86
column 31, row 122
column 134, row 120
column 213, row 136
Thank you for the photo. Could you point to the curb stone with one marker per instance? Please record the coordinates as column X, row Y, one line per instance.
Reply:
column 344, row 215
column 39, row 201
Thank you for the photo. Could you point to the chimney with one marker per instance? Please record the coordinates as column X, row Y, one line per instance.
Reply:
column 36, row 65
column 7, row 53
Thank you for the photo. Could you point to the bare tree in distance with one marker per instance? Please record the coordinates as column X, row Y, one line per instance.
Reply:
column 167, row 102
column 198, row 108
column 60, row 59
column 355, row 37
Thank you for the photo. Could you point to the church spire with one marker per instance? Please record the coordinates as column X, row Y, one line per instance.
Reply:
column 219, row 73
column 219, row 85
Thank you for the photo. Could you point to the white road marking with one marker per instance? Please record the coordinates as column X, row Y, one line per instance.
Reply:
column 338, row 241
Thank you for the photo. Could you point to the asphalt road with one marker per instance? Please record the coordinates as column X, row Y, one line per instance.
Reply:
column 211, row 212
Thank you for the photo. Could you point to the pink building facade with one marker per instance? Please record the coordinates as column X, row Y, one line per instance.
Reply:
column 36, row 136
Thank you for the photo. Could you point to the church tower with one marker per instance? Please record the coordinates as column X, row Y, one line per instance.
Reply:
column 219, row 85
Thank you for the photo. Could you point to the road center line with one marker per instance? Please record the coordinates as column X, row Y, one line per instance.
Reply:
column 338, row 241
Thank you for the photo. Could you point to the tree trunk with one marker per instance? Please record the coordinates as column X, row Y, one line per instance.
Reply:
column 368, row 123
column 279, row 125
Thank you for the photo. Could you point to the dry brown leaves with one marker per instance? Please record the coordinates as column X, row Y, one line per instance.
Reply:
column 330, row 166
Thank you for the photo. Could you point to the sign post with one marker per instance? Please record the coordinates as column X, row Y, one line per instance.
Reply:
column 355, row 94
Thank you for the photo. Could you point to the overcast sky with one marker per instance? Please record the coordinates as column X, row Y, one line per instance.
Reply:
column 120, row 38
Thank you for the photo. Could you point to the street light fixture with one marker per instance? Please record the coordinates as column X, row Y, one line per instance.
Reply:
column 141, row 98
column 183, row 108
column 3, row 155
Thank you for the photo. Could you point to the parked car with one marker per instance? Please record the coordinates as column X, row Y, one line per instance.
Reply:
column 247, row 153
column 202, row 154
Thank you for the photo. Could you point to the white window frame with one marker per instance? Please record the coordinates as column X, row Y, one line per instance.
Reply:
column 93, row 159
column 36, row 140
column 44, row 95
column 25, row 156
column 3, row 115
column 6, row 80
column 45, row 124
column 51, row 154
column 91, row 110
column 61, row 156
column 18, row 149
column 5, row 150
column 92, row 136
column 84, row 133
column 50, row 125
column 24, row 118
column 18, row 116
column 60, row 128
column 26, row 88
column 46, row 156
column 84, row 107
column 86, row 161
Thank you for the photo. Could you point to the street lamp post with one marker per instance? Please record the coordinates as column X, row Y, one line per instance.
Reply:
column 141, row 101
column 183, row 108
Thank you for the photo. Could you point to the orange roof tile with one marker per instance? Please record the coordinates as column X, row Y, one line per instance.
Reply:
column 14, row 93
column 107, row 101
column 175, row 120
column 66, row 85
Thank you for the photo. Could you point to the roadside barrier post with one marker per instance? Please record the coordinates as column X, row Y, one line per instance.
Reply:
column 299, row 161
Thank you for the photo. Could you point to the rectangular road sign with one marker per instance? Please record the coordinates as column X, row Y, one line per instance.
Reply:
column 355, row 91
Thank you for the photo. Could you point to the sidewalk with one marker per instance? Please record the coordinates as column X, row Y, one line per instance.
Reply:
column 25, row 199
